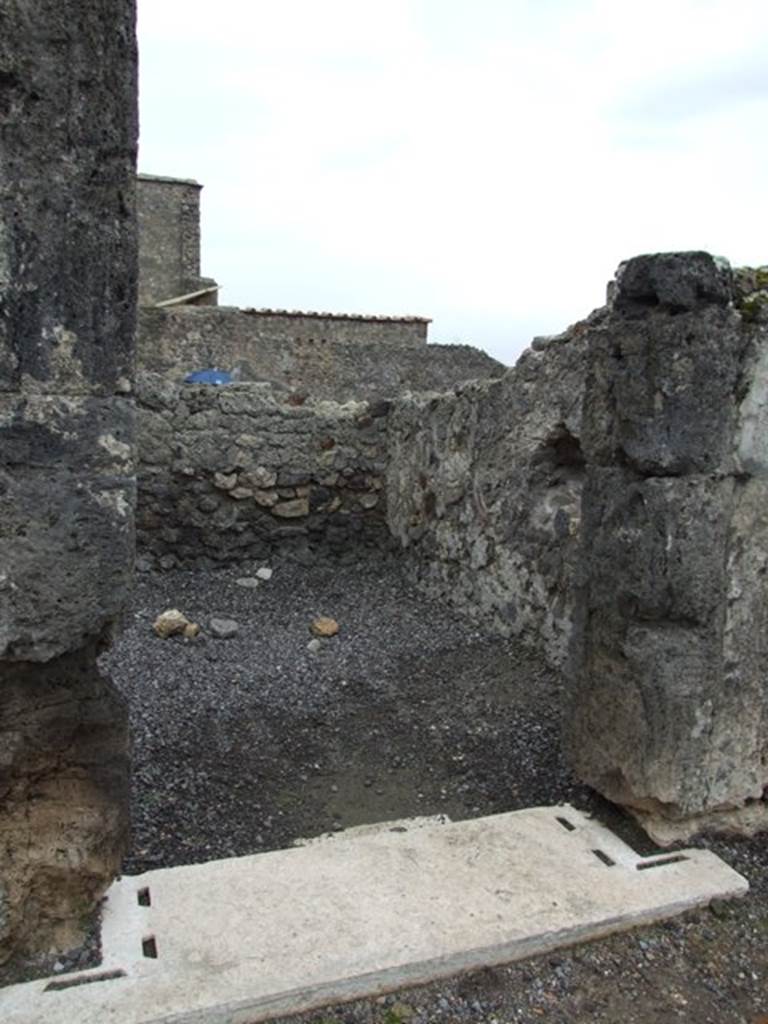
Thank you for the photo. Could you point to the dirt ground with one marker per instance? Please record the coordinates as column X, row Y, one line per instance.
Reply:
column 247, row 744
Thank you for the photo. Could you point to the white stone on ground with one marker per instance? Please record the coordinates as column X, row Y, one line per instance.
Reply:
column 278, row 933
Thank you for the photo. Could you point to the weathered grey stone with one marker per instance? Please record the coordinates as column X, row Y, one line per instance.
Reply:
column 223, row 629
column 67, row 494
column 67, row 295
column 266, row 498
column 672, row 281
column 73, row 337
column 670, row 651
column 291, row 509
column 664, row 392
column 225, row 481
column 259, row 478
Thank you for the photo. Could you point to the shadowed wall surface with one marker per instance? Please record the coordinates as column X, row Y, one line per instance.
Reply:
column 67, row 484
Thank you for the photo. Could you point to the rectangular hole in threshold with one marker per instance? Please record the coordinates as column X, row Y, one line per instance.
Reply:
column 601, row 855
column 57, row 986
column 566, row 824
column 674, row 858
column 149, row 947
column 143, row 898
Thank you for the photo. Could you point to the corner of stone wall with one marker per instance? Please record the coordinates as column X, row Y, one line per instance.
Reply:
column 483, row 492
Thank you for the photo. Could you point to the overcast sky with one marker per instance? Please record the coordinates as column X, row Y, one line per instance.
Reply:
column 486, row 163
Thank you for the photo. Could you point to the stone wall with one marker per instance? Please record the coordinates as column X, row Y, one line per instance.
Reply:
column 67, row 319
column 168, row 211
column 670, row 706
column 484, row 488
column 236, row 474
column 339, row 358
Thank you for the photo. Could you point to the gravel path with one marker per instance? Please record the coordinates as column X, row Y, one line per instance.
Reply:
column 248, row 743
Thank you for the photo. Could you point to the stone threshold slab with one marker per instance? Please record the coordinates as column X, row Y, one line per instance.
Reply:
column 239, row 941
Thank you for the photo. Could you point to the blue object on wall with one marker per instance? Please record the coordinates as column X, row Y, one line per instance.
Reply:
column 208, row 377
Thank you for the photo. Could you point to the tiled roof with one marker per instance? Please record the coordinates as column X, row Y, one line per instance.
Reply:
column 338, row 316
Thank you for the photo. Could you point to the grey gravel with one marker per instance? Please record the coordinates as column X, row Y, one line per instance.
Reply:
column 247, row 745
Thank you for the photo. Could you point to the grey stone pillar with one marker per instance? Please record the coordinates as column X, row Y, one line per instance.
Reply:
column 67, row 486
column 670, row 707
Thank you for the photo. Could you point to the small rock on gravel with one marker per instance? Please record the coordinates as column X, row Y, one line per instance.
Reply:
column 223, row 629
column 265, row 573
column 248, row 582
column 169, row 623
column 324, row 626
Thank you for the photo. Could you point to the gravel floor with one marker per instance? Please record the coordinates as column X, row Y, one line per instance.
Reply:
column 246, row 744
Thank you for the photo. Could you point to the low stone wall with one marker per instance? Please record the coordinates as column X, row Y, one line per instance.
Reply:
column 233, row 474
column 314, row 359
column 484, row 490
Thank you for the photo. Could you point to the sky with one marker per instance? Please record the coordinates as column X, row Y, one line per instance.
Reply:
column 485, row 163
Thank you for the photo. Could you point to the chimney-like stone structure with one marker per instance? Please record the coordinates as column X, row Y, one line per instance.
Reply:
column 67, row 321
column 669, row 715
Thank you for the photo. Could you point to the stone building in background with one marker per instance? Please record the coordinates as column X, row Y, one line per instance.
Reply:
column 314, row 354
column 168, row 211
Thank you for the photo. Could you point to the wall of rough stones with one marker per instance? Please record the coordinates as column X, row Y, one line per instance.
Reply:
column 67, row 485
column 237, row 474
column 340, row 358
column 484, row 488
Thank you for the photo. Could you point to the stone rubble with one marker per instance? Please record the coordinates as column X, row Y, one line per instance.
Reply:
column 170, row 623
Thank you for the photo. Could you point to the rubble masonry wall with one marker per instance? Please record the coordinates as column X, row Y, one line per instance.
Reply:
column 237, row 474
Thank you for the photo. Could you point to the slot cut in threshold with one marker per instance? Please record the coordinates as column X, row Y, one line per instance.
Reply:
column 603, row 856
column 674, row 858
column 62, row 983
